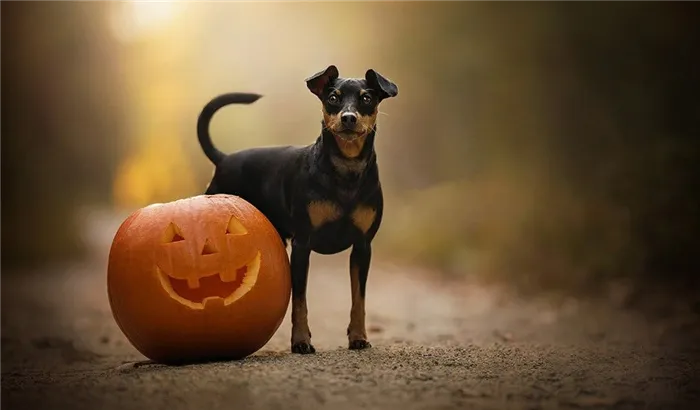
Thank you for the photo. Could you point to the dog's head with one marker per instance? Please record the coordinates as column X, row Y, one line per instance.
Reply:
column 350, row 104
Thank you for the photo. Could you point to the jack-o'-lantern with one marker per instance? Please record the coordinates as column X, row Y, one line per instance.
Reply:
column 200, row 278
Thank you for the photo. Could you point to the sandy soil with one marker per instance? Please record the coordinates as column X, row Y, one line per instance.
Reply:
column 436, row 345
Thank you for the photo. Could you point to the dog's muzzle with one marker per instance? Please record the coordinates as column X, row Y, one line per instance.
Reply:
column 349, row 121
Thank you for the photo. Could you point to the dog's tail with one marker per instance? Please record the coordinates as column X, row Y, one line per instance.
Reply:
column 207, row 113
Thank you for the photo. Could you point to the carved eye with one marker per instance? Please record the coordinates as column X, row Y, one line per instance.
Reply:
column 172, row 234
column 333, row 99
column 235, row 227
column 367, row 99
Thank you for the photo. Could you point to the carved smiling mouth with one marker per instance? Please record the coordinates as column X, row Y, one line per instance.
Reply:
column 197, row 292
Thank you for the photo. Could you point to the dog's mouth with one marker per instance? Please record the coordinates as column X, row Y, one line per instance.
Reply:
column 226, row 288
column 348, row 135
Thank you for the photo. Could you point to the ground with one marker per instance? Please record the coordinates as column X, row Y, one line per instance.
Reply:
column 437, row 344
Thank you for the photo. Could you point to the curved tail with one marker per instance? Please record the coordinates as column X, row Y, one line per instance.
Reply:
column 207, row 113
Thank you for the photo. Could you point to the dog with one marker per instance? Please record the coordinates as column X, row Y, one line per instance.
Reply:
column 324, row 197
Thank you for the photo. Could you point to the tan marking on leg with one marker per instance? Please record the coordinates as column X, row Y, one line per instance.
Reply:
column 300, row 322
column 356, row 329
column 363, row 217
column 321, row 212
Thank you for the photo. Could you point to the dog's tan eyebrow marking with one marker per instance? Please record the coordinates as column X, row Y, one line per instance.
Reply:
column 363, row 217
column 321, row 212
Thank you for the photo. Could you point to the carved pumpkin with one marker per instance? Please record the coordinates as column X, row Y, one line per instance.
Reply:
column 199, row 278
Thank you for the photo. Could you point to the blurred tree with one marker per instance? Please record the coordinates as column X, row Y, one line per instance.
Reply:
column 61, row 128
column 629, row 132
column 558, row 141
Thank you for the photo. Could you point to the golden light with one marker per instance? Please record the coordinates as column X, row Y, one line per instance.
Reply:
column 138, row 19
column 180, row 54
column 157, row 168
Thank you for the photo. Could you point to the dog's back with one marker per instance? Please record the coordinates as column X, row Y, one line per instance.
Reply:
column 263, row 177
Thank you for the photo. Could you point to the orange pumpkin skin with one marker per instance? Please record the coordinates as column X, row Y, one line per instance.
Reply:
column 202, row 278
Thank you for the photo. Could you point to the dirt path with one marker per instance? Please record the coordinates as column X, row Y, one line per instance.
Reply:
column 436, row 345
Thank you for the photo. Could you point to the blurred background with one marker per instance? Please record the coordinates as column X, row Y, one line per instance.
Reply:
column 546, row 146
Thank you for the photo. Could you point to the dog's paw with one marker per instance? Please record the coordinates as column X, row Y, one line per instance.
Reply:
column 359, row 344
column 303, row 348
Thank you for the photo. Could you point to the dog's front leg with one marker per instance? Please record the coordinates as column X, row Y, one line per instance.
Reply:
column 301, row 335
column 359, row 270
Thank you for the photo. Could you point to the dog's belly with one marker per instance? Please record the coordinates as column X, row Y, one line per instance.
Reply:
column 334, row 237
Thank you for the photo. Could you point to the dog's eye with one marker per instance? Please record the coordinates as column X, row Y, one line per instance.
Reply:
column 333, row 98
column 366, row 99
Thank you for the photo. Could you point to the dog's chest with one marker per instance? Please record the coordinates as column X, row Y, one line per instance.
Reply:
column 336, row 227
column 347, row 166
column 348, row 173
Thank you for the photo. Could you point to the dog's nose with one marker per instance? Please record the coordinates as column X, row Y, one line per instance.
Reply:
column 349, row 120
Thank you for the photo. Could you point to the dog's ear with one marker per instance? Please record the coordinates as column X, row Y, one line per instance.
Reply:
column 381, row 85
column 320, row 80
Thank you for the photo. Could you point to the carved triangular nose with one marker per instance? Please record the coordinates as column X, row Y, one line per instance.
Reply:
column 208, row 248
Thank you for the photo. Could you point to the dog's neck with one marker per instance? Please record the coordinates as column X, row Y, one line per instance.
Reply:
column 347, row 159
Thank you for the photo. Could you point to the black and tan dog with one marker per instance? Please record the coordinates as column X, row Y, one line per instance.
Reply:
column 325, row 197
